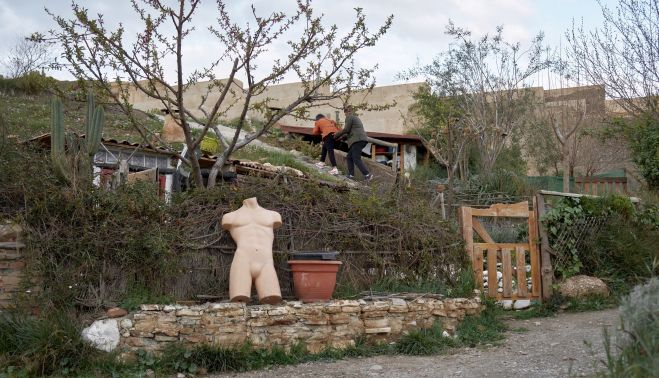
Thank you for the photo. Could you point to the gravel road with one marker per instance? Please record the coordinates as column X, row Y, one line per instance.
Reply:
column 569, row 344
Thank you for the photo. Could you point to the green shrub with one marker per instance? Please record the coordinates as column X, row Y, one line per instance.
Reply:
column 32, row 83
column 622, row 250
column 636, row 353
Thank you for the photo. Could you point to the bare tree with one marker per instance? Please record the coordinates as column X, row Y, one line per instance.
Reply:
column 622, row 54
column 488, row 78
column 318, row 55
column 27, row 56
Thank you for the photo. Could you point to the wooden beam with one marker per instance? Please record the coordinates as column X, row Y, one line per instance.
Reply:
column 481, row 231
column 547, row 271
column 575, row 195
column 507, row 273
column 492, row 281
column 521, row 271
column 516, row 210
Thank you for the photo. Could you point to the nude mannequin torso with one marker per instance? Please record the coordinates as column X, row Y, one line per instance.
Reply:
column 251, row 227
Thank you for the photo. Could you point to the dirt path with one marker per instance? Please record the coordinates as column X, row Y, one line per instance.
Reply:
column 542, row 347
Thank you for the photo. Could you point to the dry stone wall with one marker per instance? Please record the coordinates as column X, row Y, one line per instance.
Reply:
column 11, row 262
column 335, row 324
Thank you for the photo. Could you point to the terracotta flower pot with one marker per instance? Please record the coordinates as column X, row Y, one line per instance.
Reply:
column 314, row 280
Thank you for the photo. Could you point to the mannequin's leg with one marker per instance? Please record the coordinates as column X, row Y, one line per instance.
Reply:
column 240, row 281
column 267, row 285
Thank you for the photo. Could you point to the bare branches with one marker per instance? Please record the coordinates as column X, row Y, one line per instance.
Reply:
column 318, row 55
column 622, row 54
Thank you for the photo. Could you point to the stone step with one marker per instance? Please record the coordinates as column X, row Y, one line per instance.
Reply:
column 11, row 245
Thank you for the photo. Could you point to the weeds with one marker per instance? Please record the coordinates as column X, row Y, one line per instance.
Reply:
column 423, row 342
column 41, row 346
column 487, row 327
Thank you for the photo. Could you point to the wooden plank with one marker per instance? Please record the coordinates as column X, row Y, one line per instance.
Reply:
column 477, row 266
column 520, row 254
column 467, row 229
column 492, row 281
column 507, row 273
column 481, row 231
column 501, row 245
column 516, row 210
column 535, row 256
column 575, row 195
column 547, row 271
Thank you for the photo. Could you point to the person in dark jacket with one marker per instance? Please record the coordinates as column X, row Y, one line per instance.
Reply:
column 357, row 140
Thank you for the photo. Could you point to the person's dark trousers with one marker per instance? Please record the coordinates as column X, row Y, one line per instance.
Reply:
column 328, row 149
column 355, row 158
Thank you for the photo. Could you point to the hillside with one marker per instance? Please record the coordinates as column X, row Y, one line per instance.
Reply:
column 28, row 116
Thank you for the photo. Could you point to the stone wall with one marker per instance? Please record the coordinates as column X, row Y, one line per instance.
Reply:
column 11, row 262
column 336, row 324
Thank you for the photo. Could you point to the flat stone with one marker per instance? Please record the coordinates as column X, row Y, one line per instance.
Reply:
column 150, row 307
column 521, row 304
column 377, row 330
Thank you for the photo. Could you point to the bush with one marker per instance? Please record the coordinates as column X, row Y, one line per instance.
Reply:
column 618, row 242
column 637, row 351
column 32, row 83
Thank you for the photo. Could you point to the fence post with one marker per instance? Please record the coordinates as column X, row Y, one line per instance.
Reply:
column 545, row 251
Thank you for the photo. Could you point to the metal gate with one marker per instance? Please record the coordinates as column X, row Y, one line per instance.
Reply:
column 503, row 270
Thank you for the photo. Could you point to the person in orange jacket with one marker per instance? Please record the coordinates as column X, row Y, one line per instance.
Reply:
column 326, row 128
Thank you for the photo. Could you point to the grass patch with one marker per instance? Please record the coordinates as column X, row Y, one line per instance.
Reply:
column 591, row 303
column 138, row 295
column 486, row 328
column 41, row 346
column 423, row 342
column 537, row 310
column 29, row 116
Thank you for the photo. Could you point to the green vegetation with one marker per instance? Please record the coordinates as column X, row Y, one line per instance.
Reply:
column 622, row 252
column 634, row 351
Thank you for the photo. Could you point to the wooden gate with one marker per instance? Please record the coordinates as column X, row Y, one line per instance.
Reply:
column 510, row 270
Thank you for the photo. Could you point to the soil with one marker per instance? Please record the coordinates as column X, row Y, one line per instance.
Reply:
column 568, row 344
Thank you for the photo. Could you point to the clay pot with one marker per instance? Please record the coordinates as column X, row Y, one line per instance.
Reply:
column 314, row 280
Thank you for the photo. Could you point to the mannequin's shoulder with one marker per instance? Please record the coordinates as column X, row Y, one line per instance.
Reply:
column 229, row 219
column 276, row 218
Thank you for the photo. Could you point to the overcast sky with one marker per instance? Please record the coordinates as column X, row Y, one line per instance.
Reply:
column 417, row 33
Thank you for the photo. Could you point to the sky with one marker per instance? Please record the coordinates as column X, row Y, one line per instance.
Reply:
column 416, row 35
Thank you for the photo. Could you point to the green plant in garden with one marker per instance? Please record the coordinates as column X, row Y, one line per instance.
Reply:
column 618, row 245
column 72, row 159
column 634, row 352
column 565, row 214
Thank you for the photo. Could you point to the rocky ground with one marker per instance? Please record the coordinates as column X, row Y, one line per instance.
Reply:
column 569, row 344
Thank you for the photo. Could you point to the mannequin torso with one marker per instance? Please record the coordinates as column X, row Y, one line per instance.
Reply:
column 251, row 227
